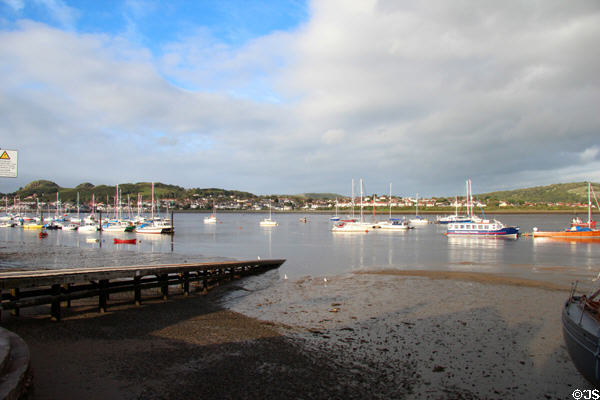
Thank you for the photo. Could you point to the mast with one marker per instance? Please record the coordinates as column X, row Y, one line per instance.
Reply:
column 152, row 200
column 589, row 204
column 352, row 202
column 361, row 200
column 469, row 211
column 417, row 206
column 456, row 204
column 390, row 200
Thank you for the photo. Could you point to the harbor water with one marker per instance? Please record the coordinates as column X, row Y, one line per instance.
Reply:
column 311, row 249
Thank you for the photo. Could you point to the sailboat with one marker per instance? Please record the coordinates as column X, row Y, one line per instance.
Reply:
column 394, row 224
column 353, row 225
column 480, row 227
column 156, row 226
column 453, row 218
column 118, row 224
column 418, row 220
column 577, row 222
column 577, row 231
column 212, row 219
column 268, row 221
column 336, row 217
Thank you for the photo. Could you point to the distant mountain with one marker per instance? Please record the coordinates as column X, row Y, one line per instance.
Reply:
column 560, row 192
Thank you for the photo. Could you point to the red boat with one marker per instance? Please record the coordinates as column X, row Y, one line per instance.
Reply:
column 42, row 234
column 124, row 241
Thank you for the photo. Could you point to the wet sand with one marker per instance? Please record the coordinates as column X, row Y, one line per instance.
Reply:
column 383, row 334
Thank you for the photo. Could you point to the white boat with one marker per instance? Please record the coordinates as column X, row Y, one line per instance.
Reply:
column 77, row 219
column 480, row 227
column 88, row 228
column 70, row 227
column 268, row 221
column 212, row 219
column 118, row 226
column 418, row 220
column 157, row 226
column 354, row 225
column 8, row 224
column 393, row 224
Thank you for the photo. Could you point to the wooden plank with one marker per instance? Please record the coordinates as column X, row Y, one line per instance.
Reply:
column 24, row 279
column 49, row 287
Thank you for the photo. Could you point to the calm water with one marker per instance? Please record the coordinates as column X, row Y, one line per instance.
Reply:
column 311, row 249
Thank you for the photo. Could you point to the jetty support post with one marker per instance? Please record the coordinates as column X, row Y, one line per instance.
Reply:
column 55, row 305
column 14, row 293
column 103, row 295
column 164, row 286
column 137, row 290
column 186, row 283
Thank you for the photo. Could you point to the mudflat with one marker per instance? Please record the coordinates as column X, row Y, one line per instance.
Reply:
column 376, row 335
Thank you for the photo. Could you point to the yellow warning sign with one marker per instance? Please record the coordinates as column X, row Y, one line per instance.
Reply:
column 8, row 163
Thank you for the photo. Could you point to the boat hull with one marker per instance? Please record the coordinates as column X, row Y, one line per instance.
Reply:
column 583, row 346
column 506, row 232
column 124, row 241
column 587, row 235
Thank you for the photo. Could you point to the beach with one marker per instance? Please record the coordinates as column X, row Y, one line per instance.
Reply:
column 375, row 335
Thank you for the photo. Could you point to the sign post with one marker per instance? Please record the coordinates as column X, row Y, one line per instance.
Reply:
column 8, row 163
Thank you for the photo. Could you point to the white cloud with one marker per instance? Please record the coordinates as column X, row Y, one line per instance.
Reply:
column 420, row 94
column 333, row 136
column 60, row 12
column 16, row 5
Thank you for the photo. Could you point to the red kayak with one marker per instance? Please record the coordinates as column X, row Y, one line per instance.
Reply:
column 124, row 241
column 42, row 234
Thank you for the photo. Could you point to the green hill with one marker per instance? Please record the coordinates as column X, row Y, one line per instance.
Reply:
column 561, row 192
column 46, row 191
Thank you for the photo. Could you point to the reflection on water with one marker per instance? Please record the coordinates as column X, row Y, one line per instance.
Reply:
column 311, row 249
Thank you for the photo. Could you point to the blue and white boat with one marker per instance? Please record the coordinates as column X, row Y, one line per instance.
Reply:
column 449, row 219
column 484, row 227
column 480, row 226
column 335, row 217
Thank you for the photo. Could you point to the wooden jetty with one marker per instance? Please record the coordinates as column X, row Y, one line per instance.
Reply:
column 21, row 289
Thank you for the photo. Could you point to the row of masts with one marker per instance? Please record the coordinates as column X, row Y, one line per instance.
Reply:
column 118, row 205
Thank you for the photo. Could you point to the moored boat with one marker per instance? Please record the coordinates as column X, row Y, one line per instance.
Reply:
column 395, row 224
column 581, row 332
column 124, row 241
column 489, row 228
column 418, row 220
column 480, row 227
column 353, row 225
column 157, row 226
column 212, row 219
column 268, row 221
column 575, row 233
column 578, row 230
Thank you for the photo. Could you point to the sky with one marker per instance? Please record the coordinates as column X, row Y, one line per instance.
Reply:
column 291, row 96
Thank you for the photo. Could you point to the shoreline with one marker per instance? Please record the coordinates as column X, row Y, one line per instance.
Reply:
column 407, row 211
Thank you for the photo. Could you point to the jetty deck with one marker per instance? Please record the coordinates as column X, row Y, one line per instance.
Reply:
column 21, row 289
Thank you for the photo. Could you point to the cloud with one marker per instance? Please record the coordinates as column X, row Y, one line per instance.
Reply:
column 422, row 95
column 333, row 136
